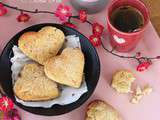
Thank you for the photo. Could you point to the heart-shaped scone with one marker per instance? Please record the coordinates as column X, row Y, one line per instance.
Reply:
column 42, row 45
column 100, row 110
column 67, row 68
column 34, row 85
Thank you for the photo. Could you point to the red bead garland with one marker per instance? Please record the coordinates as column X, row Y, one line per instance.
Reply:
column 83, row 15
column 3, row 10
column 69, row 25
column 23, row 17
column 143, row 66
column 95, row 40
column 6, row 104
column 97, row 29
column 63, row 12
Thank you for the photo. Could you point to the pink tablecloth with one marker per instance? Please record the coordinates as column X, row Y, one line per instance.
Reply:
column 147, row 109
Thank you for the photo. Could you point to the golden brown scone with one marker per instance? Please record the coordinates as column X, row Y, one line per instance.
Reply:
column 42, row 45
column 100, row 110
column 122, row 81
column 34, row 85
column 67, row 68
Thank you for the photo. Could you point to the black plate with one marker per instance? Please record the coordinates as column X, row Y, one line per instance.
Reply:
column 92, row 71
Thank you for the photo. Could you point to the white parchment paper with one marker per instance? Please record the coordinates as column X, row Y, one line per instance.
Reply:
column 68, row 94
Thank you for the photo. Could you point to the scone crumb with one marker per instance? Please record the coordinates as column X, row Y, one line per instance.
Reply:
column 138, row 90
column 139, row 93
column 147, row 90
column 134, row 100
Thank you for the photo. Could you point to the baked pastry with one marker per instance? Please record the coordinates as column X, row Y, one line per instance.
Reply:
column 122, row 81
column 34, row 85
column 42, row 45
column 67, row 68
column 100, row 110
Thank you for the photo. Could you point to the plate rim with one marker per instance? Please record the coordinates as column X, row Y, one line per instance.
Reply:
column 97, row 60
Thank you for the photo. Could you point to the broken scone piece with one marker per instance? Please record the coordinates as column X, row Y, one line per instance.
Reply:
column 67, row 68
column 147, row 90
column 34, row 85
column 122, row 81
column 100, row 110
column 139, row 93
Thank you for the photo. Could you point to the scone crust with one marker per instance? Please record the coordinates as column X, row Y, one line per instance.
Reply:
column 42, row 45
column 67, row 68
column 122, row 81
column 33, row 85
column 100, row 110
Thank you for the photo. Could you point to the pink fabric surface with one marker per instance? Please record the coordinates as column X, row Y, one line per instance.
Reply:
column 147, row 109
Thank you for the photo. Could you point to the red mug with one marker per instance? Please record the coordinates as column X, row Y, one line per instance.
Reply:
column 123, row 41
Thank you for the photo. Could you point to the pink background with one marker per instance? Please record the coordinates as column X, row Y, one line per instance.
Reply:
column 147, row 109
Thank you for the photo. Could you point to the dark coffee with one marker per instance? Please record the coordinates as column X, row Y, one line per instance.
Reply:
column 127, row 19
